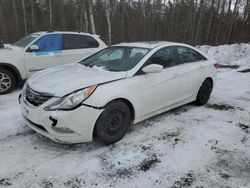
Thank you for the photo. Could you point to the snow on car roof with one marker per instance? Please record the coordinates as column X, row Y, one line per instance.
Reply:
column 149, row 45
column 64, row 32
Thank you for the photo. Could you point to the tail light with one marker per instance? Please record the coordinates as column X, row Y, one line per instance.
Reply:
column 216, row 65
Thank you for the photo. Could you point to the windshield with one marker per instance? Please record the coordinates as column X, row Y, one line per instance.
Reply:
column 116, row 58
column 23, row 42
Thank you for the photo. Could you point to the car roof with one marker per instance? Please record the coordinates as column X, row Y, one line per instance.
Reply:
column 63, row 32
column 147, row 44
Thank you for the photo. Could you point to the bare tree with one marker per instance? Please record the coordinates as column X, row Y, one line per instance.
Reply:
column 16, row 17
column 61, row 13
column 3, row 24
column 216, row 21
column 85, row 16
column 50, row 15
column 246, row 10
column 229, row 7
column 91, row 17
column 221, row 19
column 24, row 18
column 210, row 20
column 246, row 19
column 233, row 19
column 190, row 21
column 195, row 10
column 107, row 4
column 199, row 23
column 122, row 4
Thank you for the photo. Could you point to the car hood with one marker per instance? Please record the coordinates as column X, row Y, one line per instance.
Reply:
column 4, row 51
column 62, row 80
column 7, row 53
column 8, row 48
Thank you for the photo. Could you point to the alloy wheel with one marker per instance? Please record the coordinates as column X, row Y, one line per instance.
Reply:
column 5, row 82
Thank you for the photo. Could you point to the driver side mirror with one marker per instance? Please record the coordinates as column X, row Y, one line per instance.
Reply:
column 34, row 48
column 152, row 68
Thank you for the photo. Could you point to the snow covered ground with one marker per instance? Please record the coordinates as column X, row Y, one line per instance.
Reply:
column 190, row 146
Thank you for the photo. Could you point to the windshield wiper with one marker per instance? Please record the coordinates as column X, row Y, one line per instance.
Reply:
column 97, row 67
column 101, row 67
column 84, row 64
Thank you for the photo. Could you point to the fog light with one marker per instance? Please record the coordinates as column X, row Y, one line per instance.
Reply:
column 62, row 130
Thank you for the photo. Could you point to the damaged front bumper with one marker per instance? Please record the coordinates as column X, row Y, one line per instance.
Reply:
column 74, row 126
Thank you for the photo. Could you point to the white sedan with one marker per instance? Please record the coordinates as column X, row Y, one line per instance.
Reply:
column 101, row 96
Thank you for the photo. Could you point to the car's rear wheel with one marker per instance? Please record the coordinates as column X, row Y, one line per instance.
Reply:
column 204, row 92
column 7, row 81
column 113, row 123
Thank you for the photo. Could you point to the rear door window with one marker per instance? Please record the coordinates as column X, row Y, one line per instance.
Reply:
column 187, row 55
column 49, row 43
column 72, row 41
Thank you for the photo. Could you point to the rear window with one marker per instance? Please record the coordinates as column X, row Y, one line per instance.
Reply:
column 71, row 41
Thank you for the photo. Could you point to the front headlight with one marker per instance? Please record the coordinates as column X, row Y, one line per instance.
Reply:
column 72, row 100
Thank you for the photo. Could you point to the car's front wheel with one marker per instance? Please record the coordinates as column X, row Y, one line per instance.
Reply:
column 113, row 123
column 204, row 92
column 7, row 81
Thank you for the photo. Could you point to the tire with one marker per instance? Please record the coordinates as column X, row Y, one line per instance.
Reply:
column 7, row 81
column 113, row 123
column 204, row 93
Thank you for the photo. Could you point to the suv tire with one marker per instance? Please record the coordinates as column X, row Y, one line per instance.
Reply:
column 7, row 81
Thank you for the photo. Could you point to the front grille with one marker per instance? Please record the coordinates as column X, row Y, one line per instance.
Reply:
column 35, row 98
